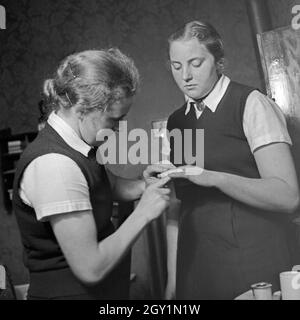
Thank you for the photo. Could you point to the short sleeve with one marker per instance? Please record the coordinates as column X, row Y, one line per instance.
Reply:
column 264, row 122
column 54, row 184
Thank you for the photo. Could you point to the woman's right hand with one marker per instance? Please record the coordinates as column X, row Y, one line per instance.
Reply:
column 155, row 199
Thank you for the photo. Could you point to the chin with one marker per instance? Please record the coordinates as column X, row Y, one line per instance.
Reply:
column 192, row 94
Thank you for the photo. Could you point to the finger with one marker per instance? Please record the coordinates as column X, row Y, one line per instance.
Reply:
column 160, row 183
column 151, row 180
column 165, row 191
column 166, row 198
column 156, row 168
column 176, row 175
column 166, row 173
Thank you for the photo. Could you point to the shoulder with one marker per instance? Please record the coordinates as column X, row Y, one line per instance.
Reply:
column 264, row 122
column 259, row 102
column 52, row 184
column 242, row 91
column 51, row 166
column 53, row 160
column 256, row 94
column 241, row 86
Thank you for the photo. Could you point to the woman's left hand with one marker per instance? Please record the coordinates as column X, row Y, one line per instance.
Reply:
column 196, row 175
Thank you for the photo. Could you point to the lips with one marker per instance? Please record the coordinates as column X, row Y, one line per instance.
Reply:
column 190, row 86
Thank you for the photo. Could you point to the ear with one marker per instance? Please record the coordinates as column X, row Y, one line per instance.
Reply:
column 221, row 65
column 80, row 114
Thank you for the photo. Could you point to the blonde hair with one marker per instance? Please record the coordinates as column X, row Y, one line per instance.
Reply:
column 92, row 79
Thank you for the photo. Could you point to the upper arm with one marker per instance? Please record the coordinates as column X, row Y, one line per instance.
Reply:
column 263, row 122
column 266, row 132
column 54, row 184
column 275, row 161
column 77, row 236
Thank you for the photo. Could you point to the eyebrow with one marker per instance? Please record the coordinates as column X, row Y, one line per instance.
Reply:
column 190, row 60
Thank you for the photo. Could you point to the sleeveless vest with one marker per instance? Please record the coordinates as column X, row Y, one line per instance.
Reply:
column 50, row 275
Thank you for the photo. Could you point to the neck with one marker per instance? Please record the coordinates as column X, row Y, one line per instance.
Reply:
column 71, row 119
column 211, row 89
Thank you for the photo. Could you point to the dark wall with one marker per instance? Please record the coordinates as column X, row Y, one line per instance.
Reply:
column 281, row 12
column 40, row 33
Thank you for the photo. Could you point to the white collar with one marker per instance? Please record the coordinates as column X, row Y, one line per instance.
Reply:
column 68, row 134
column 213, row 99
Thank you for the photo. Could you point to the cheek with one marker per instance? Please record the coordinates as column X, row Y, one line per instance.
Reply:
column 177, row 77
column 97, row 122
column 205, row 73
column 212, row 69
column 88, row 129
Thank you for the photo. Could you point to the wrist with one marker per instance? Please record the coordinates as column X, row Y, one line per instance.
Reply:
column 142, row 186
column 217, row 179
column 139, row 217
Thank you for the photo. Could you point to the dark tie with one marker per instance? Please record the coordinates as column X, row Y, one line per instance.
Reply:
column 200, row 105
column 92, row 153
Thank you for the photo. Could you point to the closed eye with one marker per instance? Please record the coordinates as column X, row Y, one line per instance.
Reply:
column 176, row 65
column 196, row 62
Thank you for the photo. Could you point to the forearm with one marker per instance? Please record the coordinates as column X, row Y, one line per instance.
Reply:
column 127, row 189
column 271, row 194
column 111, row 250
column 91, row 260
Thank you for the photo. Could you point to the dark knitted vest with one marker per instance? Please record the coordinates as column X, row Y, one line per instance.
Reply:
column 50, row 275
column 225, row 144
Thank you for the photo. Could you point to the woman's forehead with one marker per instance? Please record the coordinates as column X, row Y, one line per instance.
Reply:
column 187, row 49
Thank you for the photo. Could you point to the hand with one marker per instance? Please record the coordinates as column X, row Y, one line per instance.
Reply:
column 151, row 172
column 196, row 175
column 155, row 199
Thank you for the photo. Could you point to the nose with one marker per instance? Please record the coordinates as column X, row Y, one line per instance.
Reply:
column 186, row 74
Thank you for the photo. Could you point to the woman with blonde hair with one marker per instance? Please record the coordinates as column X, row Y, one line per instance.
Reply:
column 63, row 198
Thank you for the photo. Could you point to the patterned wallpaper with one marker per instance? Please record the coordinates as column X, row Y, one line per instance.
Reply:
column 41, row 32
column 281, row 12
